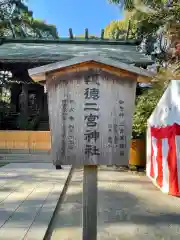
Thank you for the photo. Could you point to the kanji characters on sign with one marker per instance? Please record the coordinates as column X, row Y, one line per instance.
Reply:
column 91, row 93
column 92, row 79
column 91, row 120
column 121, row 110
column 64, row 109
column 91, row 106
column 91, row 109
column 122, row 140
column 91, row 135
column 91, row 150
column 71, row 137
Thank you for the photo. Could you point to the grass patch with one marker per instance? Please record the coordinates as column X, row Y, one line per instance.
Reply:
column 131, row 168
column 137, row 170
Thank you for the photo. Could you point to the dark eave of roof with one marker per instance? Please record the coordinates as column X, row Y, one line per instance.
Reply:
column 69, row 41
column 28, row 51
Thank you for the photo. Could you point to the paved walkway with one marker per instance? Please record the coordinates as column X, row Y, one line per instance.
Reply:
column 29, row 193
column 25, row 158
column 129, row 207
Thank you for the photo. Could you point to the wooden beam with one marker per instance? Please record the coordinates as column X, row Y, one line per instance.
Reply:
column 102, row 34
column 86, row 33
column 128, row 30
column 90, row 65
column 67, row 41
column 70, row 33
column 39, row 77
column 83, row 60
column 144, row 79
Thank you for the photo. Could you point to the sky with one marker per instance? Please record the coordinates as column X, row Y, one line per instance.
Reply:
column 75, row 14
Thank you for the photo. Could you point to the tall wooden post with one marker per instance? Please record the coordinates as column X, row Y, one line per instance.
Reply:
column 90, row 202
column 24, row 106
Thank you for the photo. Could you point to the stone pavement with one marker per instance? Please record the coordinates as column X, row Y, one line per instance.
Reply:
column 129, row 207
column 29, row 193
column 25, row 158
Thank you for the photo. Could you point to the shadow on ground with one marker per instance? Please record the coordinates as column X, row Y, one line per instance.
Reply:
column 119, row 209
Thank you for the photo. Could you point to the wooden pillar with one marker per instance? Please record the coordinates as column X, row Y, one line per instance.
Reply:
column 24, row 106
column 15, row 92
column 40, row 96
column 45, row 107
column 90, row 202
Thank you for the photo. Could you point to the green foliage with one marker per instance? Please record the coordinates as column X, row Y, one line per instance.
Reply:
column 118, row 29
column 17, row 20
column 27, row 125
column 127, row 4
column 5, row 94
column 32, row 123
column 145, row 104
column 42, row 29
column 7, row 110
column 151, row 14
column 134, row 4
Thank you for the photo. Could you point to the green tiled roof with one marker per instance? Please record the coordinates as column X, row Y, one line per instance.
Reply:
column 45, row 51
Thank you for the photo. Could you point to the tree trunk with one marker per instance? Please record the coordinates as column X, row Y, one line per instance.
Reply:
column 40, row 99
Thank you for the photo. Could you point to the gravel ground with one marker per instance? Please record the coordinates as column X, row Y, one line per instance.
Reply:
column 129, row 207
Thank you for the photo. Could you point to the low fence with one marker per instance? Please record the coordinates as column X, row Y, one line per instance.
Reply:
column 28, row 141
column 40, row 141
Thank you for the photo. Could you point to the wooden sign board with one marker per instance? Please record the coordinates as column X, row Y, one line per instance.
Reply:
column 91, row 102
column 91, row 117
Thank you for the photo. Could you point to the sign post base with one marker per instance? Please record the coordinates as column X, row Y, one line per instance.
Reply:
column 90, row 202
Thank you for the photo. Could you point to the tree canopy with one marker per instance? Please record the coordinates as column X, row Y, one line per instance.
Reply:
column 151, row 14
column 158, row 27
column 17, row 20
column 156, row 23
column 121, row 29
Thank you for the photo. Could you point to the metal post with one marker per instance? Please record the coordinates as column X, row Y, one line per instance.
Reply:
column 90, row 203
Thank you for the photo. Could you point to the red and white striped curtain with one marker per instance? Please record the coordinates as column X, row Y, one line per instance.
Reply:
column 163, row 157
